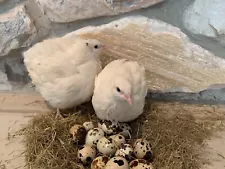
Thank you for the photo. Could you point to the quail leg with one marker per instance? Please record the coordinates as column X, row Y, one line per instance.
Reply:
column 129, row 135
column 76, row 110
column 58, row 114
column 126, row 132
column 114, row 122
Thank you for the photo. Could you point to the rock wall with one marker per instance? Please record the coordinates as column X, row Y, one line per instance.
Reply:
column 26, row 22
column 23, row 23
column 68, row 10
column 20, row 24
column 206, row 17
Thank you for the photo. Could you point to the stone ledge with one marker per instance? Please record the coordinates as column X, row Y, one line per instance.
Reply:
column 170, row 58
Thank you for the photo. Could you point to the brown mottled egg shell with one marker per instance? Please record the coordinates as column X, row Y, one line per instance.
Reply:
column 126, row 151
column 117, row 163
column 108, row 127
column 140, row 164
column 118, row 139
column 93, row 136
column 106, row 146
column 143, row 150
column 86, row 154
column 88, row 125
column 99, row 162
column 78, row 133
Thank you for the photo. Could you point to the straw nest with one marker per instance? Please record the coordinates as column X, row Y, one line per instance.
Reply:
column 176, row 139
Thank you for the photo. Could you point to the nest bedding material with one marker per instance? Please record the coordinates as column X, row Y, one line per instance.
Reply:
column 176, row 139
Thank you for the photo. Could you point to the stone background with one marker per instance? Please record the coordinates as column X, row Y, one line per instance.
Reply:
column 24, row 23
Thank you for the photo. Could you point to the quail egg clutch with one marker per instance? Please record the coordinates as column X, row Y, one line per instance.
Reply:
column 108, row 146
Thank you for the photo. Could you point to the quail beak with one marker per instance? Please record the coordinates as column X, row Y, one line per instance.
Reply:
column 102, row 46
column 128, row 99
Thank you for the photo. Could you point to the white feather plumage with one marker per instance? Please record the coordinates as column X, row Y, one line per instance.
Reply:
column 107, row 103
column 63, row 70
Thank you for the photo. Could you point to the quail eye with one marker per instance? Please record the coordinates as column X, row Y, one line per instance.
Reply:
column 87, row 44
column 118, row 89
column 96, row 46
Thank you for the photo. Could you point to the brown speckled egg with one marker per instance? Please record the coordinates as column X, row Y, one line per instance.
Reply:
column 117, row 163
column 93, row 136
column 108, row 127
column 88, row 125
column 78, row 133
column 118, row 139
column 99, row 162
column 106, row 146
column 86, row 154
column 140, row 164
column 143, row 150
column 125, row 151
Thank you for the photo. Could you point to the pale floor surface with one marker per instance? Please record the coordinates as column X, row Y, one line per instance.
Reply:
column 216, row 150
column 11, row 150
column 16, row 110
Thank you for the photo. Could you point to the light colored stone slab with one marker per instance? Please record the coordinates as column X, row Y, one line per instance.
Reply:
column 71, row 10
column 206, row 17
column 171, row 60
column 16, row 29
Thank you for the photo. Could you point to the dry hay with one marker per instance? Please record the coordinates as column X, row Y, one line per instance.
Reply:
column 176, row 140
column 2, row 166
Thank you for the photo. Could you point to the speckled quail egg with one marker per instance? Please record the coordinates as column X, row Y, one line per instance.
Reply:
column 93, row 136
column 88, row 125
column 106, row 146
column 140, row 164
column 86, row 154
column 117, row 163
column 78, row 133
column 108, row 127
column 125, row 130
column 126, row 151
column 143, row 150
column 99, row 162
column 118, row 139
